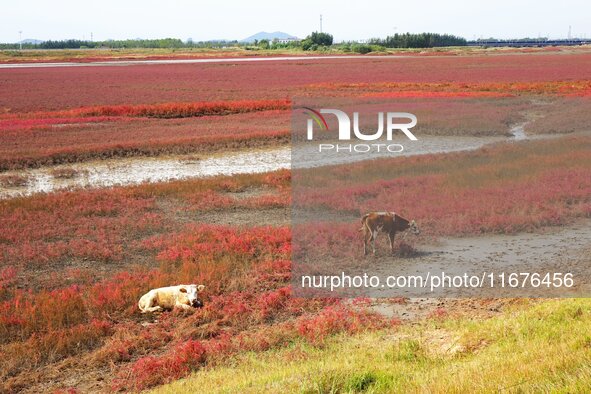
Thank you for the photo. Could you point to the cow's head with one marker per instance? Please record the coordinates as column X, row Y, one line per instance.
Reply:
column 192, row 294
column 412, row 225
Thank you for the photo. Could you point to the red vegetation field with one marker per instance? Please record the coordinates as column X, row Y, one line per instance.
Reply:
column 25, row 90
column 54, row 137
column 101, row 225
column 165, row 110
column 573, row 88
column 47, row 141
column 37, row 139
column 59, row 115
column 74, row 264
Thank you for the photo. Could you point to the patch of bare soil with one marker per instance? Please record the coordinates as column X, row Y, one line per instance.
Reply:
column 414, row 310
column 85, row 377
column 556, row 250
column 566, row 249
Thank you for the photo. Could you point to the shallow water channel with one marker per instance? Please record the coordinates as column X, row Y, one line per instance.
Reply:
column 105, row 173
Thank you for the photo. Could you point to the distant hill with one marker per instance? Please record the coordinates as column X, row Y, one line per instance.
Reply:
column 30, row 41
column 263, row 35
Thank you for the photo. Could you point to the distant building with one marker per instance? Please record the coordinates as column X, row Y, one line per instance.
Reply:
column 286, row 40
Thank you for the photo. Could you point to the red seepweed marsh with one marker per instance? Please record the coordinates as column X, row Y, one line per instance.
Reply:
column 74, row 262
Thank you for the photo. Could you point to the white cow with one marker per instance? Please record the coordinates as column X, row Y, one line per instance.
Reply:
column 181, row 296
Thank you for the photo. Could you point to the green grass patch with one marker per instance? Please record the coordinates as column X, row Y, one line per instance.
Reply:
column 542, row 348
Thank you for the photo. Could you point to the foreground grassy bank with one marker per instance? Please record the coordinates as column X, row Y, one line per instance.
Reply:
column 531, row 347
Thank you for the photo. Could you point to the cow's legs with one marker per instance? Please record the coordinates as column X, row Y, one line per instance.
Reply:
column 364, row 235
column 156, row 308
column 366, row 239
column 369, row 236
column 391, row 238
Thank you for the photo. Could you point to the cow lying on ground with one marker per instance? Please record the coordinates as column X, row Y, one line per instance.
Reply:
column 181, row 296
column 386, row 222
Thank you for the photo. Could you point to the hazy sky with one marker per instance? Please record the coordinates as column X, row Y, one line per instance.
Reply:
column 233, row 19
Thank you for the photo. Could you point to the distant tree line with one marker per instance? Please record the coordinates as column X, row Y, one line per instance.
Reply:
column 139, row 43
column 312, row 42
column 77, row 44
column 419, row 40
column 316, row 41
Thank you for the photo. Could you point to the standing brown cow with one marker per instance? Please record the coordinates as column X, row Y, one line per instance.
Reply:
column 387, row 222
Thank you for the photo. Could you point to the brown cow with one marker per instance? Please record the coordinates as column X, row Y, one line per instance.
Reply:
column 387, row 222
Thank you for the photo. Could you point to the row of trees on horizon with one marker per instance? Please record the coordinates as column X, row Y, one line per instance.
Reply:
column 315, row 41
column 420, row 40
